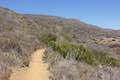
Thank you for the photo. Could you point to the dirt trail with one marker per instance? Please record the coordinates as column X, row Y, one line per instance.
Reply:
column 37, row 70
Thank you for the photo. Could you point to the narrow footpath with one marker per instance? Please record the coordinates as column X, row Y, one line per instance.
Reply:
column 37, row 70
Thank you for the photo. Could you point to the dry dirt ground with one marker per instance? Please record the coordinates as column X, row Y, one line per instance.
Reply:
column 37, row 69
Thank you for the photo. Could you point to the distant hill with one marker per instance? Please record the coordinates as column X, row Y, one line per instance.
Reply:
column 22, row 34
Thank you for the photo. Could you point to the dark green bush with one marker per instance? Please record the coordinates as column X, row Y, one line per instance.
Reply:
column 47, row 38
column 106, row 59
column 80, row 52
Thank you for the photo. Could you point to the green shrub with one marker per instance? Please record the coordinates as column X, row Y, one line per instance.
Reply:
column 80, row 52
column 106, row 59
column 47, row 38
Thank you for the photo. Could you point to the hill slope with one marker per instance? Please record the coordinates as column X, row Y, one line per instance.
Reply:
column 21, row 35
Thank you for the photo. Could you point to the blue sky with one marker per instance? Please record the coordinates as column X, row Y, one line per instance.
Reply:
column 104, row 13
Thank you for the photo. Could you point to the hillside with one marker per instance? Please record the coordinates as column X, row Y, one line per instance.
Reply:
column 75, row 50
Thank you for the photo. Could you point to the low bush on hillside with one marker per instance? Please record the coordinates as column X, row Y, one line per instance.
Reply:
column 77, row 52
column 80, row 52
column 106, row 59
column 47, row 38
